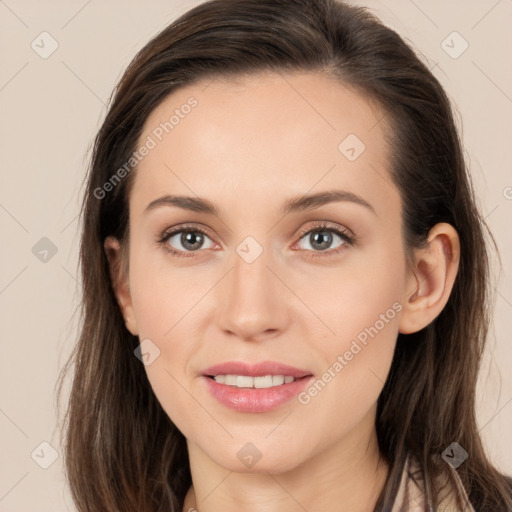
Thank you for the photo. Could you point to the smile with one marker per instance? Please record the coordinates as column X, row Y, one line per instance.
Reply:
column 246, row 381
column 258, row 387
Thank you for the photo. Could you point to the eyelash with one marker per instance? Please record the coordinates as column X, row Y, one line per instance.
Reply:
column 324, row 226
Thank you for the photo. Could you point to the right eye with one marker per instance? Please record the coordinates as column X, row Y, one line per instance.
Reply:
column 190, row 239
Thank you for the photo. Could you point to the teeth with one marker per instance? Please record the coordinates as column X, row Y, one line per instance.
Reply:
column 277, row 380
column 244, row 381
column 230, row 380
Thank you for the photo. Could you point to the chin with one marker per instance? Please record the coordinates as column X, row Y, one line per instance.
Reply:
column 265, row 459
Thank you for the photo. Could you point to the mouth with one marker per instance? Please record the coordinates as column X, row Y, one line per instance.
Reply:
column 260, row 387
column 259, row 382
column 264, row 374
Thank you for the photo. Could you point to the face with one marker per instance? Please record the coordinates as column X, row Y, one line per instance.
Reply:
column 269, row 278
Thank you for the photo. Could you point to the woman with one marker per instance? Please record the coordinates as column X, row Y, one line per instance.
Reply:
column 285, row 276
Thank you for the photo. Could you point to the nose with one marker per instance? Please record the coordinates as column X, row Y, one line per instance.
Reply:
column 253, row 303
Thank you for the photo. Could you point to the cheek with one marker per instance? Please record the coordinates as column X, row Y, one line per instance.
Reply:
column 360, row 302
column 359, row 295
column 161, row 313
column 166, row 306
column 171, row 388
column 166, row 310
column 356, row 366
column 162, row 295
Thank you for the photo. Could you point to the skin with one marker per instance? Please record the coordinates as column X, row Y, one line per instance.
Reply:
column 248, row 146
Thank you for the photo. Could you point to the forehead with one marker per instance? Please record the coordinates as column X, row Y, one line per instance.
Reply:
column 261, row 136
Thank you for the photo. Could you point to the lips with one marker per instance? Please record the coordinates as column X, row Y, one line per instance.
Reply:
column 255, row 370
column 255, row 399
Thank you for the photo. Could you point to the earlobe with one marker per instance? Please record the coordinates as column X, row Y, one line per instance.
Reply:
column 119, row 280
column 431, row 279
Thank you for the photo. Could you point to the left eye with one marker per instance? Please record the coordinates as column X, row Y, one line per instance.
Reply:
column 321, row 239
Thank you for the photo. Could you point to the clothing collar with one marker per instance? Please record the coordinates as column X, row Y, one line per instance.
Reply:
column 411, row 496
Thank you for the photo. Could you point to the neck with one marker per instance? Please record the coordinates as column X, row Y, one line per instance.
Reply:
column 350, row 474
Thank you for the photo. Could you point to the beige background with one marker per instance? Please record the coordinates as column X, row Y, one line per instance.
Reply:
column 50, row 110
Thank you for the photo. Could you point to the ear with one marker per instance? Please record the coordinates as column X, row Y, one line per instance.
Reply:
column 430, row 280
column 120, row 284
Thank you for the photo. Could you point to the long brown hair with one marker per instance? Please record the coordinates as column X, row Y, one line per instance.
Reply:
column 122, row 452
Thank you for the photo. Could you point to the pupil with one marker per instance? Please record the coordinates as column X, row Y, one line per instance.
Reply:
column 191, row 238
column 322, row 235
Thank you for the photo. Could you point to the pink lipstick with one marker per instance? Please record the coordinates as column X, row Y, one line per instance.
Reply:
column 259, row 387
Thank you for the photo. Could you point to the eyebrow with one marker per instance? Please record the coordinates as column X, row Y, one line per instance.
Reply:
column 296, row 204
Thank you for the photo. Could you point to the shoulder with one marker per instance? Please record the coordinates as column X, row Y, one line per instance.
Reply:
column 413, row 496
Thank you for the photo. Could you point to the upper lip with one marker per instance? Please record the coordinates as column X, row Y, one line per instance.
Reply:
column 256, row 369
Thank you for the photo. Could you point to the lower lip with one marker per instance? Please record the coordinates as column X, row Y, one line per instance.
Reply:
column 255, row 399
